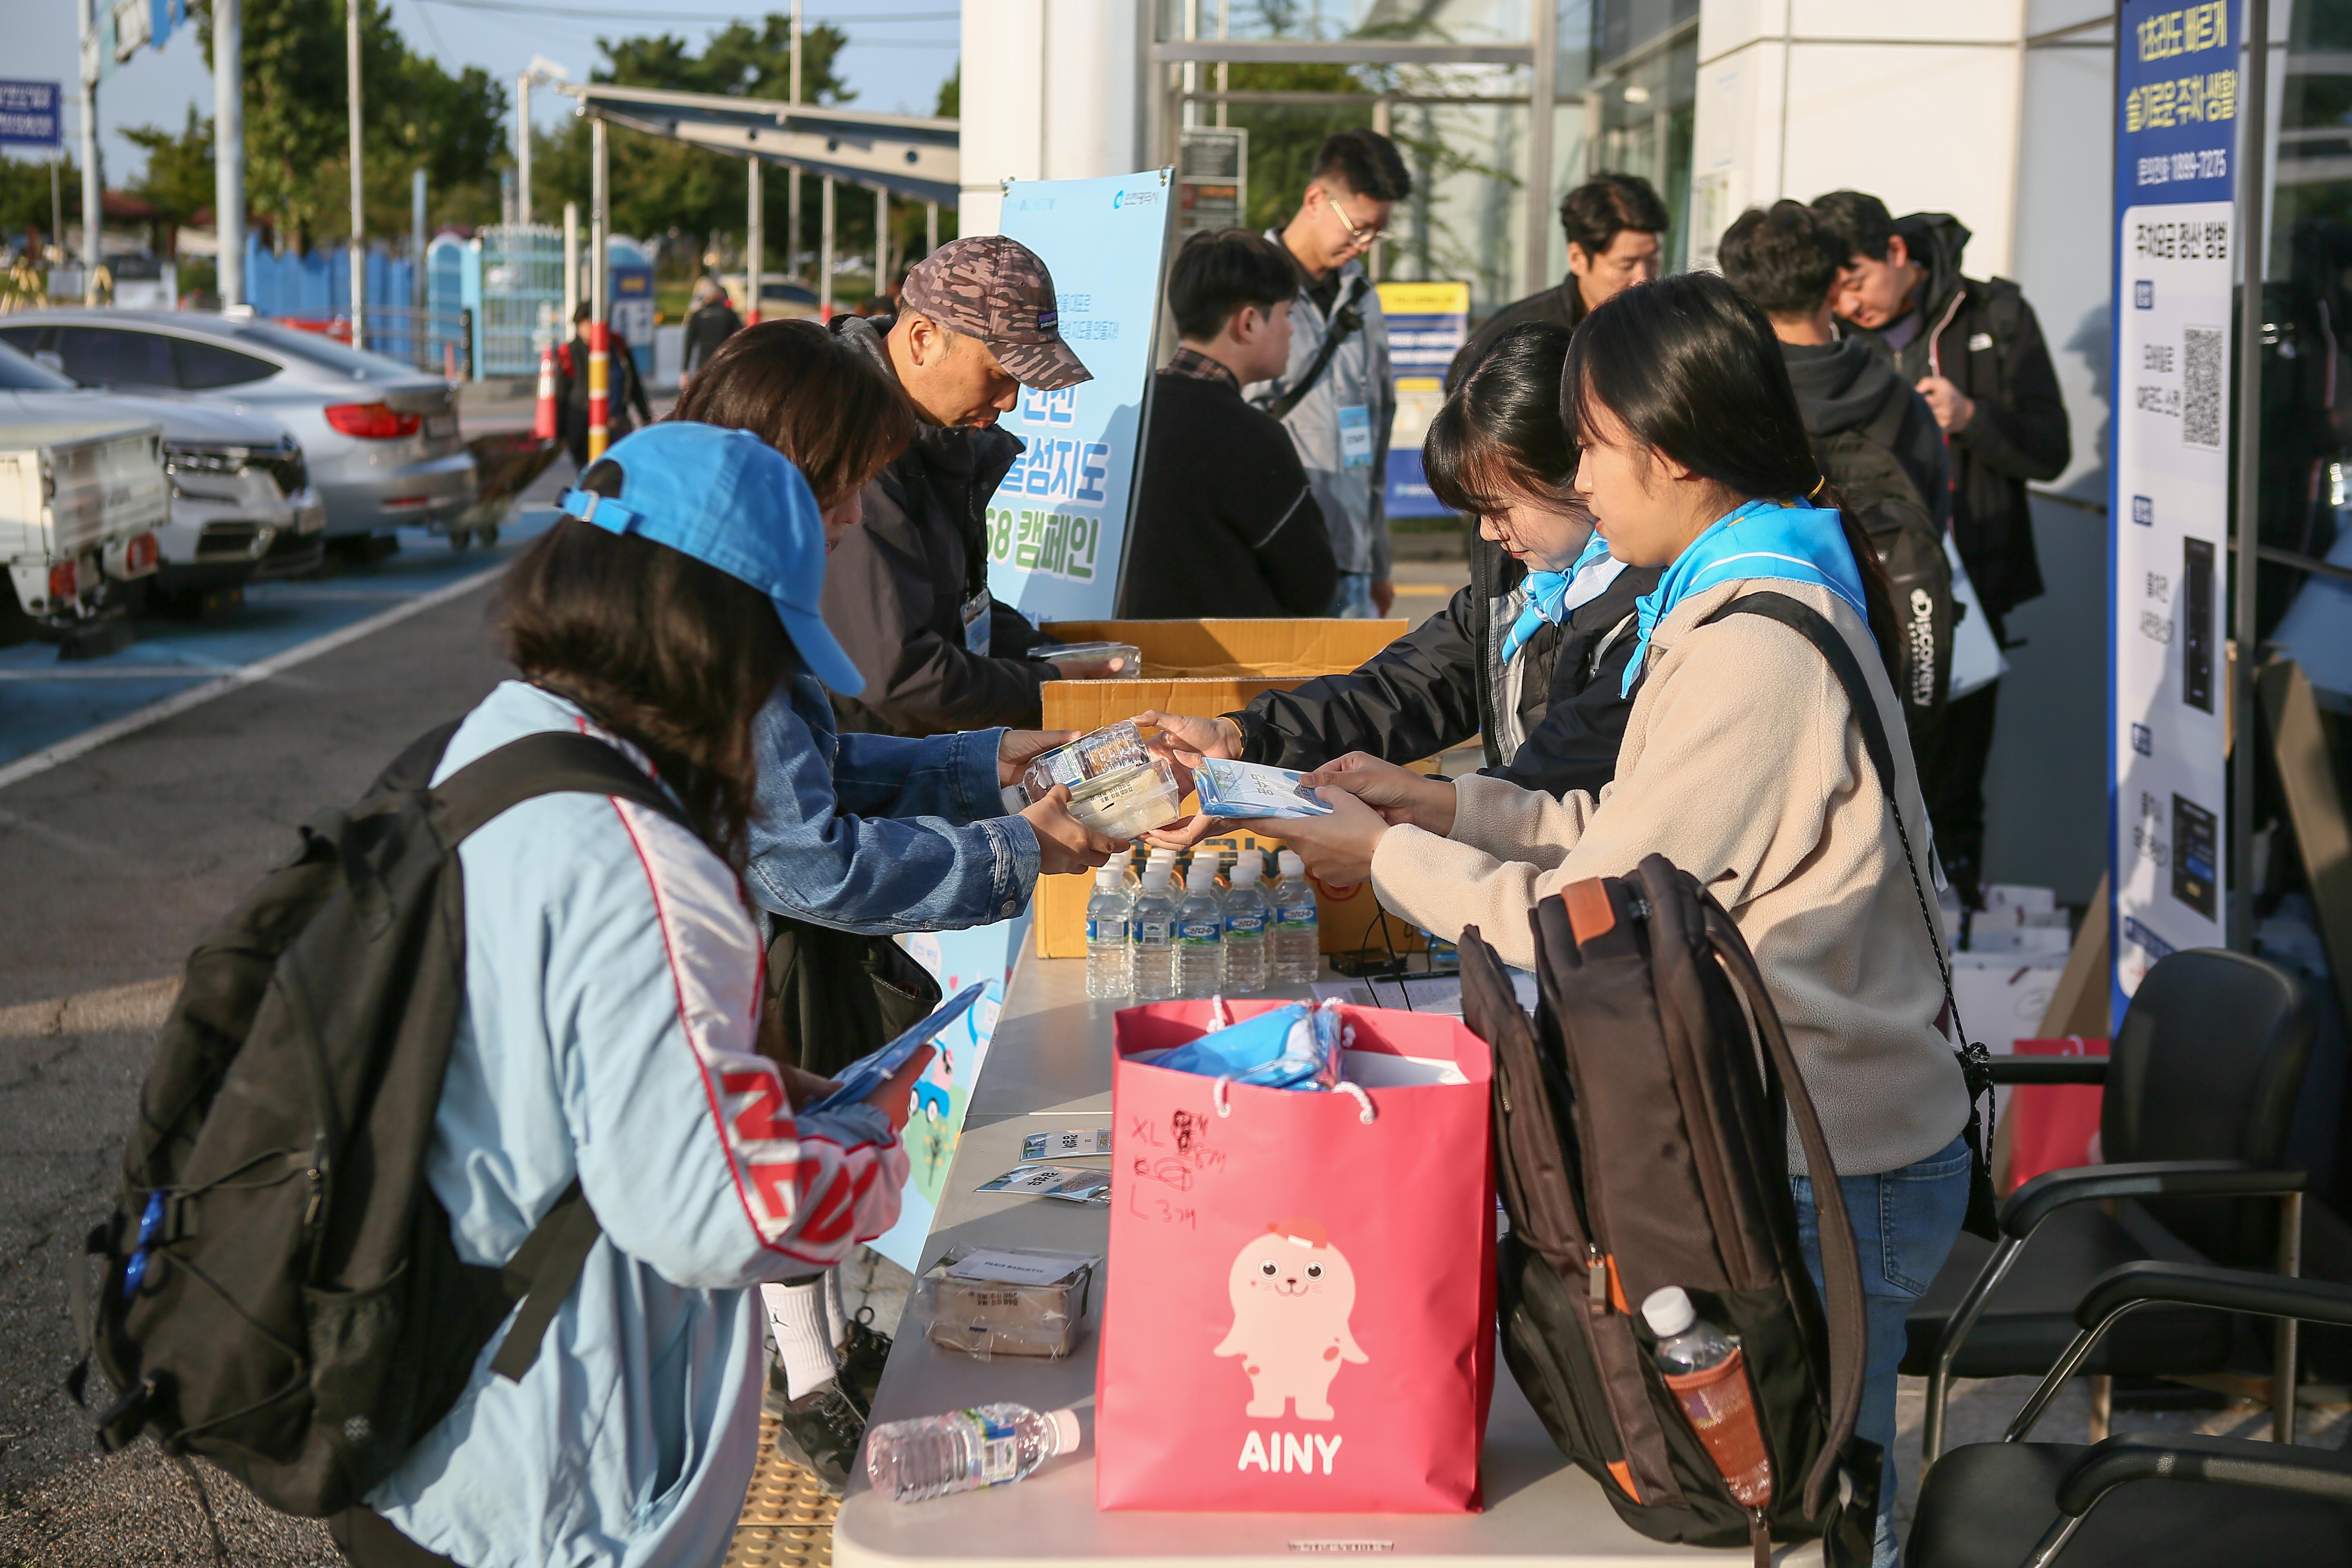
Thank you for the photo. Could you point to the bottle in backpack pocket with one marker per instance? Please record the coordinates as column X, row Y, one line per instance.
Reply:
column 1705, row 1371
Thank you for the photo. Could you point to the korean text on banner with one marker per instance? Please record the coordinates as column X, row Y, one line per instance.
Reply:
column 1428, row 323
column 1057, row 525
column 2176, row 140
column 28, row 114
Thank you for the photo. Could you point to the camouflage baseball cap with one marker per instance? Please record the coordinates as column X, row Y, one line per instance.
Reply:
column 998, row 290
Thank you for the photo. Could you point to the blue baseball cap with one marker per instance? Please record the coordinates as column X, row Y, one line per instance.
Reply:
column 730, row 500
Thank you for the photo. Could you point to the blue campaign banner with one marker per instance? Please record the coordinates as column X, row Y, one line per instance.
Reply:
column 28, row 114
column 2178, row 74
column 1057, row 525
column 1428, row 323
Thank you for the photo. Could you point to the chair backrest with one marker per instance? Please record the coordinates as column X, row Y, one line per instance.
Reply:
column 2206, row 1066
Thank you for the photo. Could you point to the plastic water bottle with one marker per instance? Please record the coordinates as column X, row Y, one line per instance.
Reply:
column 1297, row 951
column 1151, row 936
column 1247, row 917
column 1109, row 969
column 1201, row 933
column 1702, row 1367
column 964, row 1450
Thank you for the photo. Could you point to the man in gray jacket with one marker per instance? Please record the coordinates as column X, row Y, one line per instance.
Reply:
column 1335, row 396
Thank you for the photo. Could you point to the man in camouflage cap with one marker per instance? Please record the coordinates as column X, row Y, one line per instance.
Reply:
column 907, row 595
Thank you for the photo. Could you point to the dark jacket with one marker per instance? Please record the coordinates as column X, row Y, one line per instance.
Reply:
column 895, row 590
column 1443, row 682
column 623, row 391
column 1560, row 303
column 1983, row 337
column 1850, row 386
column 1224, row 524
column 710, row 324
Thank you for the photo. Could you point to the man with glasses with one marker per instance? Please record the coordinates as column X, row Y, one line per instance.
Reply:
column 1335, row 396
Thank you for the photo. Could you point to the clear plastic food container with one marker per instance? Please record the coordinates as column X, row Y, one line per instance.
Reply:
column 1012, row 1300
column 1129, row 802
column 1122, row 660
column 1091, row 756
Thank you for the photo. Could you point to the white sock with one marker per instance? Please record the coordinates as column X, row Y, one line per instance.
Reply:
column 837, row 1315
column 796, row 1316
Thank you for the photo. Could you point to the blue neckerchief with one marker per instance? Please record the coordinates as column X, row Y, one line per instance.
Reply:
column 1762, row 539
column 1555, row 595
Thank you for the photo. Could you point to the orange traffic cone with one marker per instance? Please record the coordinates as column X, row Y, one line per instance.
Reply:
column 544, row 426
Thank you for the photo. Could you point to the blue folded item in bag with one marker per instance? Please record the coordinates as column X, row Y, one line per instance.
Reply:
column 1291, row 1047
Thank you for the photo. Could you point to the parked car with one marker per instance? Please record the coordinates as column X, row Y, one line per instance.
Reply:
column 380, row 438
column 80, row 503
column 242, row 505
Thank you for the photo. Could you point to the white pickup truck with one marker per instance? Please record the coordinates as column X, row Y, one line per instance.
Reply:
column 80, row 504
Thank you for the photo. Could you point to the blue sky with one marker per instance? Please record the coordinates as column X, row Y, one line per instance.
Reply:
column 900, row 51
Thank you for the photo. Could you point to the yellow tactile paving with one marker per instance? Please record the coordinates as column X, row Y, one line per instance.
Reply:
column 787, row 1519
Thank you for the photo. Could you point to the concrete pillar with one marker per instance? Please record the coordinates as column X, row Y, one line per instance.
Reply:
column 228, row 147
column 1053, row 89
column 825, row 254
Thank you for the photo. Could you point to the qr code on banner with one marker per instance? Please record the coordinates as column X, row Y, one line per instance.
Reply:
column 2201, row 387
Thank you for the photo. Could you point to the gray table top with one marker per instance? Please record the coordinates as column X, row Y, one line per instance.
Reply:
column 1048, row 1068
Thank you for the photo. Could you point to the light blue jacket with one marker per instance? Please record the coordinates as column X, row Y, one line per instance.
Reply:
column 612, row 983
column 882, row 834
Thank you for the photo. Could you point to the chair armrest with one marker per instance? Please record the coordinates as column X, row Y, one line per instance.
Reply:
column 2218, row 1461
column 2044, row 1196
column 2049, row 1069
column 2207, row 1285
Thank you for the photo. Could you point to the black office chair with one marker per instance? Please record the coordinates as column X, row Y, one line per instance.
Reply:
column 2143, row 1499
column 2202, row 1083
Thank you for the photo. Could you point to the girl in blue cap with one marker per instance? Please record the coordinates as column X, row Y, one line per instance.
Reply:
column 612, row 971
column 870, row 834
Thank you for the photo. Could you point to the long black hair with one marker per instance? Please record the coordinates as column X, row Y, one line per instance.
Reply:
column 1690, row 368
column 665, row 651
column 1501, row 433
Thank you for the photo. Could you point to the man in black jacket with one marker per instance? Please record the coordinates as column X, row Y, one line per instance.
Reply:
column 1975, row 352
column 1225, row 523
column 1616, row 226
column 624, row 388
column 710, row 324
column 907, row 595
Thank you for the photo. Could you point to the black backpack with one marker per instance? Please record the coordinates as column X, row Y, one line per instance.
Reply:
column 1639, row 1143
column 1902, row 530
column 280, row 1293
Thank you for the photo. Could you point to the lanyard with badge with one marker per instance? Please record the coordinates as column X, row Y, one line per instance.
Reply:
column 976, row 617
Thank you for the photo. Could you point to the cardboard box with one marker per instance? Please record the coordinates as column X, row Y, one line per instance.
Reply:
column 1209, row 667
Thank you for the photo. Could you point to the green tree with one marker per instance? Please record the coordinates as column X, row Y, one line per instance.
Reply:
column 178, row 183
column 24, row 199
column 950, row 104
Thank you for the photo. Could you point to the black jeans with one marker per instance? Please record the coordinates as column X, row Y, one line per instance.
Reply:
column 367, row 1539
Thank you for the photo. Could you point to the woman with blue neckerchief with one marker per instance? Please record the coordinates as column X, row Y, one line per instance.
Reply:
column 1742, row 763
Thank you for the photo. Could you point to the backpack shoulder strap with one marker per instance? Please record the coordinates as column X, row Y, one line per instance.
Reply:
column 553, row 762
column 1814, row 628
column 1345, row 322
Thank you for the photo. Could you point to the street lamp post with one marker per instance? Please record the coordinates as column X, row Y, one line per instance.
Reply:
column 522, row 148
column 755, row 238
column 825, row 254
column 600, row 341
column 359, row 213
column 881, row 239
column 93, row 201
column 228, row 149
column 792, row 183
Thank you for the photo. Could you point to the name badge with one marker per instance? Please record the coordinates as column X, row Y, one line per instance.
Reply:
column 1355, row 437
column 976, row 623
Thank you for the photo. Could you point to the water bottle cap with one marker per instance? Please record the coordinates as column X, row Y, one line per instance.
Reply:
column 1108, row 877
column 1668, row 1311
column 1155, row 881
column 1291, row 864
column 1065, row 1430
column 1245, row 873
column 1202, row 877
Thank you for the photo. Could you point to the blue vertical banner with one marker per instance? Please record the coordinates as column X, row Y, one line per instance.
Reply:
column 2176, row 254
column 1428, row 323
column 1057, row 525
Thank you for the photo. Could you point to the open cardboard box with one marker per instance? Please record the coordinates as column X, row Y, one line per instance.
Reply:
column 1209, row 667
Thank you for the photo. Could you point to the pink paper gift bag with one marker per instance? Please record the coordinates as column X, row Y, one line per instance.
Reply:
column 1300, row 1299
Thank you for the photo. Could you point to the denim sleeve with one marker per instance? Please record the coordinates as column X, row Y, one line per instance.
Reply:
column 954, row 776
column 874, row 875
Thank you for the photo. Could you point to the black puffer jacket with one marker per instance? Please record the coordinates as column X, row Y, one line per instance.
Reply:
column 1984, row 339
column 1445, row 681
column 896, row 588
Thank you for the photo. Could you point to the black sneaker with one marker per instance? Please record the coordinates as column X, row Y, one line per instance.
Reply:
column 820, row 1432
column 862, row 1357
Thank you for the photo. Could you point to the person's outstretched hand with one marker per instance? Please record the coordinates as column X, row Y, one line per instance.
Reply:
column 1337, row 849
column 1021, row 747
column 896, row 1097
column 1184, row 739
column 1398, row 793
column 1064, row 843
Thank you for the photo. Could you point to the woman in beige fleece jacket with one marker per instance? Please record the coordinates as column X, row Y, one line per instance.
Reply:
column 1742, row 763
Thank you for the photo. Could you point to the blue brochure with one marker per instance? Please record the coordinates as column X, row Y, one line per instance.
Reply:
column 867, row 1074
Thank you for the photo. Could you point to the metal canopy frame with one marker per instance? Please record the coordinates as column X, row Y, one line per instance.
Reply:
column 904, row 155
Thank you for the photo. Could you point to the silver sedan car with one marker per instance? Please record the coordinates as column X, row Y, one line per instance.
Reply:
column 380, row 438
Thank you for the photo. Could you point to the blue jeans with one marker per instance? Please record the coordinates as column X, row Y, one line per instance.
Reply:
column 1353, row 598
column 1904, row 1222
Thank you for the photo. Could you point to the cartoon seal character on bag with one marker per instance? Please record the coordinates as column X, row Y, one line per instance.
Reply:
column 1292, row 1293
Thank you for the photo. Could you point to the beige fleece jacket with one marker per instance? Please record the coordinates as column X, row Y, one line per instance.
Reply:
column 1743, row 765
